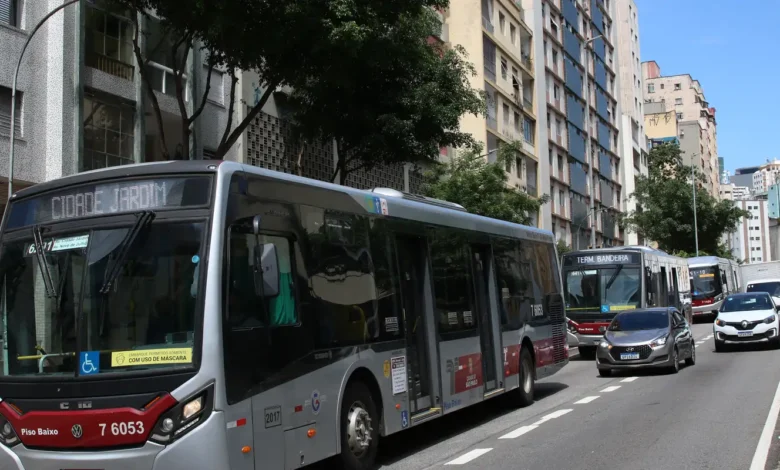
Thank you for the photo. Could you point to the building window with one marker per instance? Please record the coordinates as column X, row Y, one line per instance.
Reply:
column 679, row 116
column 108, row 132
column 677, row 86
column 505, row 109
column 556, row 91
column 512, row 33
column 528, row 130
column 519, row 167
column 662, row 86
column 502, row 22
column 5, row 112
column 555, row 58
column 109, row 46
column 216, row 86
column 517, row 121
column 162, row 59
column 11, row 12
column 678, row 101
column 503, row 68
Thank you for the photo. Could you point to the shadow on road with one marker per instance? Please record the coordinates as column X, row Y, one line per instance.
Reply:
column 406, row 443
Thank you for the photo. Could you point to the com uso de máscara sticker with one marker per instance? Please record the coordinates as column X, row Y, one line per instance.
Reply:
column 145, row 357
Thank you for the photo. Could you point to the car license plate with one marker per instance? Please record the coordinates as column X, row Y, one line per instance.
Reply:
column 743, row 334
column 629, row 356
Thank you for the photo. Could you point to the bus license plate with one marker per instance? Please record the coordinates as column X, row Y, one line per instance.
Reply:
column 743, row 334
column 629, row 356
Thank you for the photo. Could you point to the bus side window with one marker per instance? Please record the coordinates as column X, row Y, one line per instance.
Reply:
column 511, row 284
column 387, row 322
column 453, row 286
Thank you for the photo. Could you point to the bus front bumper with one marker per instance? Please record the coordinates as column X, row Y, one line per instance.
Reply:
column 708, row 309
column 204, row 447
column 586, row 341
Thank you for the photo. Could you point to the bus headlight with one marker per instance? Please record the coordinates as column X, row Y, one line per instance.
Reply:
column 184, row 417
column 7, row 433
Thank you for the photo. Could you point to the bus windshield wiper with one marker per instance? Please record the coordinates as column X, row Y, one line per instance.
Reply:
column 612, row 279
column 112, row 271
column 43, row 265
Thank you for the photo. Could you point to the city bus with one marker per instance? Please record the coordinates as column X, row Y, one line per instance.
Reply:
column 211, row 315
column 712, row 279
column 599, row 283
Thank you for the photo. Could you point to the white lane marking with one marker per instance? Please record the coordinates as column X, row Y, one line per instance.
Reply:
column 518, row 432
column 611, row 389
column 586, row 400
column 553, row 415
column 468, row 456
column 762, row 449
column 629, row 379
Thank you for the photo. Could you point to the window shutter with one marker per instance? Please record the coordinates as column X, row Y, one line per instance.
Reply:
column 7, row 13
column 5, row 110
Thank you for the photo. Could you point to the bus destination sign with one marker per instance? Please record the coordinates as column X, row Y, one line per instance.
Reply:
column 605, row 258
column 110, row 198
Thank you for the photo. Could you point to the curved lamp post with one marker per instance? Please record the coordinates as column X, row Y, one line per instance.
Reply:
column 13, row 94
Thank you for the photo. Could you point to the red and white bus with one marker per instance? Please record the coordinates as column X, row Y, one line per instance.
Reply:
column 186, row 315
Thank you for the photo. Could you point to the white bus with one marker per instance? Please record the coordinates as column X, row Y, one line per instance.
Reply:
column 712, row 279
column 210, row 315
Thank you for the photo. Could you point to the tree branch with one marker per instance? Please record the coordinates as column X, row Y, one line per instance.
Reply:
column 141, row 64
column 178, row 73
column 202, row 105
column 231, row 106
column 236, row 133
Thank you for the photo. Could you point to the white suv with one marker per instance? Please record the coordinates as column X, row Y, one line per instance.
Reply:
column 747, row 318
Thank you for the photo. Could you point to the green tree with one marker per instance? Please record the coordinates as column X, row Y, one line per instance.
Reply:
column 363, row 72
column 482, row 187
column 562, row 247
column 666, row 198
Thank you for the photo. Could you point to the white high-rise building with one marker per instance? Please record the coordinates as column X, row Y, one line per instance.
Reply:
column 750, row 240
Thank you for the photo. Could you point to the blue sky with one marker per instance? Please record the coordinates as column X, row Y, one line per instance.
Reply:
column 732, row 48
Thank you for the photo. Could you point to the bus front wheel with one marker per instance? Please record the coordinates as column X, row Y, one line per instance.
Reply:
column 359, row 428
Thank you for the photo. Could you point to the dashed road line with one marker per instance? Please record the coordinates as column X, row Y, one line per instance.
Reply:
column 586, row 400
column 553, row 415
column 518, row 432
column 611, row 388
column 629, row 379
column 468, row 456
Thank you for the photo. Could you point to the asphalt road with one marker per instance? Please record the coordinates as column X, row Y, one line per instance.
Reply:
column 708, row 416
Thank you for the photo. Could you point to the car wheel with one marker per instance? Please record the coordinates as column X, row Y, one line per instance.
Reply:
column 359, row 428
column 675, row 367
column 720, row 346
column 526, row 389
column 691, row 360
column 605, row 372
column 775, row 343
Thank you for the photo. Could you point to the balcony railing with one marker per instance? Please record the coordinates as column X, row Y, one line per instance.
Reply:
column 528, row 104
column 108, row 65
column 487, row 24
column 527, row 61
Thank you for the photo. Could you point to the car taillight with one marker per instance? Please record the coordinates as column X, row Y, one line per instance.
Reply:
column 7, row 433
column 184, row 417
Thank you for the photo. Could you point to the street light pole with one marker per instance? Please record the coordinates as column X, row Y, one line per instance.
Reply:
column 695, row 224
column 587, row 140
column 579, row 225
column 13, row 94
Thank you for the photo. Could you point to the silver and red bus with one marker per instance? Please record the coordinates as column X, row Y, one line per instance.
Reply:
column 712, row 280
column 599, row 283
column 199, row 314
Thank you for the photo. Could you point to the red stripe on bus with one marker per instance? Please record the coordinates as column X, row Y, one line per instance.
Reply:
column 111, row 427
column 543, row 350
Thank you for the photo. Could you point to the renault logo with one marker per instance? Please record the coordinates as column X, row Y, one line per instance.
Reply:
column 744, row 324
column 77, row 431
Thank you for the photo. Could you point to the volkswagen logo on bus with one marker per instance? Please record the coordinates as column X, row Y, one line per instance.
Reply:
column 77, row 431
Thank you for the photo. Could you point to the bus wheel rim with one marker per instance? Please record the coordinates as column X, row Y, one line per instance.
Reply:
column 358, row 429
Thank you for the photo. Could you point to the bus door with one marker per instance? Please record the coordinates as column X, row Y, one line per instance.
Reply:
column 411, row 263
column 480, row 262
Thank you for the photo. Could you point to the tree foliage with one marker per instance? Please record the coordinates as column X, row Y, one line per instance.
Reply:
column 562, row 247
column 362, row 72
column 665, row 196
column 481, row 187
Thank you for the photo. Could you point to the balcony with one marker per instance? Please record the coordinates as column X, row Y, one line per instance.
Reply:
column 528, row 105
column 527, row 61
column 487, row 24
column 161, row 78
column 108, row 65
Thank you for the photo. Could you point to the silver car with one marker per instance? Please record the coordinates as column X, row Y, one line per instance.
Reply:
column 653, row 337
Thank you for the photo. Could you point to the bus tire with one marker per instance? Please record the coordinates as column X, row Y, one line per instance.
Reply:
column 359, row 428
column 527, row 373
column 587, row 353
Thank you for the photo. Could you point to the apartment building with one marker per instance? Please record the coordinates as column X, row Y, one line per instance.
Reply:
column 81, row 103
column 697, row 125
column 767, row 175
column 632, row 122
column 661, row 126
column 750, row 241
column 582, row 112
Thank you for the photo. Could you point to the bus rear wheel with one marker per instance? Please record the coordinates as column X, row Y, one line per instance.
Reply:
column 359, row 428
column 526, row 389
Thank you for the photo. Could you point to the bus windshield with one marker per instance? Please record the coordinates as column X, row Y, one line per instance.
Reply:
column 603, row 290
column 705, row 282
column 101, row 300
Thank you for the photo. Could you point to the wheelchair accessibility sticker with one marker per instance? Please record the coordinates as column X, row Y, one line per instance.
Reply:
column 89, row 362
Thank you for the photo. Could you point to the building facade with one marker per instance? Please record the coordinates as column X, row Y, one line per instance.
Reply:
column 684, row 96
column 632, row 123
column 575, row 37
column 750, row 241
column 81, row 103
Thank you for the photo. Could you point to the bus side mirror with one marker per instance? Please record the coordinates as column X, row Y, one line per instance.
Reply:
column 266, row 271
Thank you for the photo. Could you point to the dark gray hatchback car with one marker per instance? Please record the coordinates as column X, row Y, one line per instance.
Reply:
column 653, row 337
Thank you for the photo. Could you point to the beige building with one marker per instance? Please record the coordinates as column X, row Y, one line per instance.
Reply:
column 697, row 125
column 632, row 124
column 499, row 44
column 766, row 176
